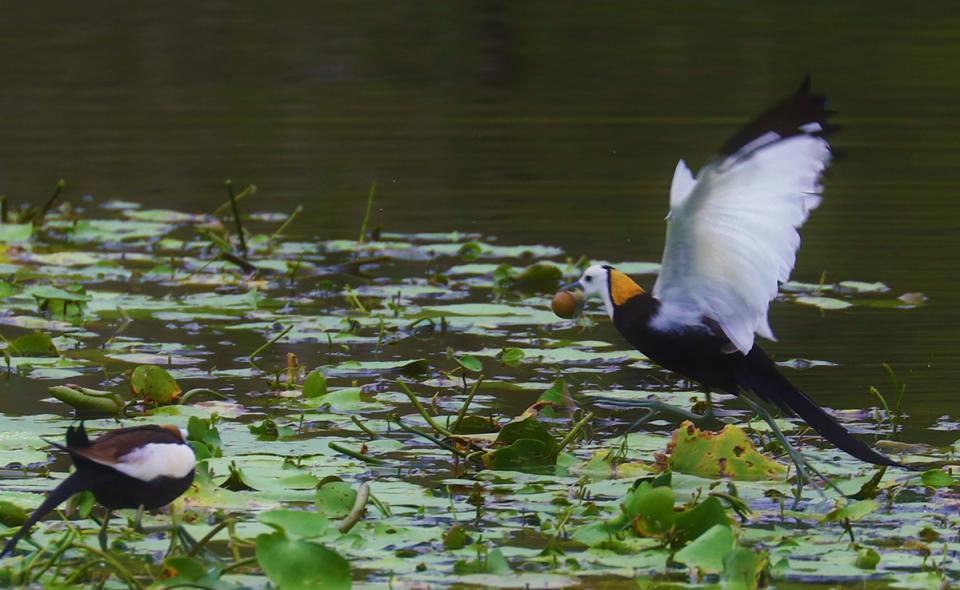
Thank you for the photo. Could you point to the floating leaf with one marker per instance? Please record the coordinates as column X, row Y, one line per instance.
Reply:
column 867, row 559
column 728, row 453
column 470, row 363
column 853, row 511
column 511, row 356
column 315, row 385
column 15, row 233
column 37, row 344
column 154, row 384
column 937, row 478
column 298, row 523
column 11, row 514
column 743, row 568
column 707, row 551
column 334, row 498
column 492, row 562
column 300, row 564
column 650, row 509
column 555, row 400
column 470, row 251
column 455, row 538
column 823, row 302
column 270, row 430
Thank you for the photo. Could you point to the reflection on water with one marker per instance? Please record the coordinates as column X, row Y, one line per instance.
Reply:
column 520, row 120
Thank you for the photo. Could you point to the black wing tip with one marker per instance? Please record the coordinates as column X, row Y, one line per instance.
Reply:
column 790, row 117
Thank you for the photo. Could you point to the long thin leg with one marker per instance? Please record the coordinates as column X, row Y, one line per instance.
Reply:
column 654, row 406
column 803, row 466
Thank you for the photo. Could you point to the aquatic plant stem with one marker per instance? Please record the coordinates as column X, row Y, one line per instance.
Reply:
column 238, row 564
column 466, row 404
column 236, row 218
column 574, row 432
column 364, row 427
column 209, row 536
column 245, row 265
column 297, row 211
column 250, row 190
column 46, row 206
column 355, row 454
column 115, row 565
column 267, row 345
column 61, row 548
column 423, row 411
column 366, row 215
column 430, row 438
column 356, row 513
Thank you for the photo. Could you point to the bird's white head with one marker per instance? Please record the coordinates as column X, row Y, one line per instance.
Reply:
column 609, row 284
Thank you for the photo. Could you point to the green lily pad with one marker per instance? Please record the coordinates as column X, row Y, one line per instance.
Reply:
column 315, row 385
column 707, row 551
column 37, row 344
column 300, row 564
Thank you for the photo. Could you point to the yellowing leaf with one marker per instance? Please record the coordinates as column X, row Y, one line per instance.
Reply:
column 728, row 453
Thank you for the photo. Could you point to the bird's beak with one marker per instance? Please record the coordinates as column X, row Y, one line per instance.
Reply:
column 575, row 287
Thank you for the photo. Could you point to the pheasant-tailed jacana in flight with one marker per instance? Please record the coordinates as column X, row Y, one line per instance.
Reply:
column 731, row 240
column 144, row 466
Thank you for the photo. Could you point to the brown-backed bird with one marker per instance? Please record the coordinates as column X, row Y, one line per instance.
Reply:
column 731, row 241
column 144, row 466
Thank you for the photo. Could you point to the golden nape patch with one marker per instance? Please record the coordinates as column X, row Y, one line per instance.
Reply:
column 622, row 287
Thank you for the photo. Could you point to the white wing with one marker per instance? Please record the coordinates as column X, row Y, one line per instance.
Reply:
column 733, row 237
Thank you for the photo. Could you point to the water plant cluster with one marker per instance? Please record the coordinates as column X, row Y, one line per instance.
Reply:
column 403, row 410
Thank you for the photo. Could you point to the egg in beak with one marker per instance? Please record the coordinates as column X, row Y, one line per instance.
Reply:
column 568, row 301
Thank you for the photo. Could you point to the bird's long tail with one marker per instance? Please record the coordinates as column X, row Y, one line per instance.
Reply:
column 75, row 482
column 765, row 380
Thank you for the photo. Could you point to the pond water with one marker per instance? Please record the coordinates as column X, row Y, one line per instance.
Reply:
column 525, row 123
column 530, row 123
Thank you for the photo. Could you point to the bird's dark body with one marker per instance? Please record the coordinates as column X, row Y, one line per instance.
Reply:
column 111, row 487
column 694, row 352
column 703, row 354
column 116, row 491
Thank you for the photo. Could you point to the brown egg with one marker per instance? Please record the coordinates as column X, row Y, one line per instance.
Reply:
column 565, row 304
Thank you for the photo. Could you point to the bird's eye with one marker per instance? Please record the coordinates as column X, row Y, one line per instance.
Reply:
column 588, row 279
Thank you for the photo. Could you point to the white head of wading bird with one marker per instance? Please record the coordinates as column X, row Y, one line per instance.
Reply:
column 731, row 241
column 144, row 466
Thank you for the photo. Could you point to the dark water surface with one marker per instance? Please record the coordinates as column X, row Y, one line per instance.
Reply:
column 535, row 122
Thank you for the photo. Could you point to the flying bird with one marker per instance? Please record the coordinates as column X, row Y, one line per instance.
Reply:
column 144, row 466
column 731, row 241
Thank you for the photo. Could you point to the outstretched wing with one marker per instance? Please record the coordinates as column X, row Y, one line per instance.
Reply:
column 732, row 234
